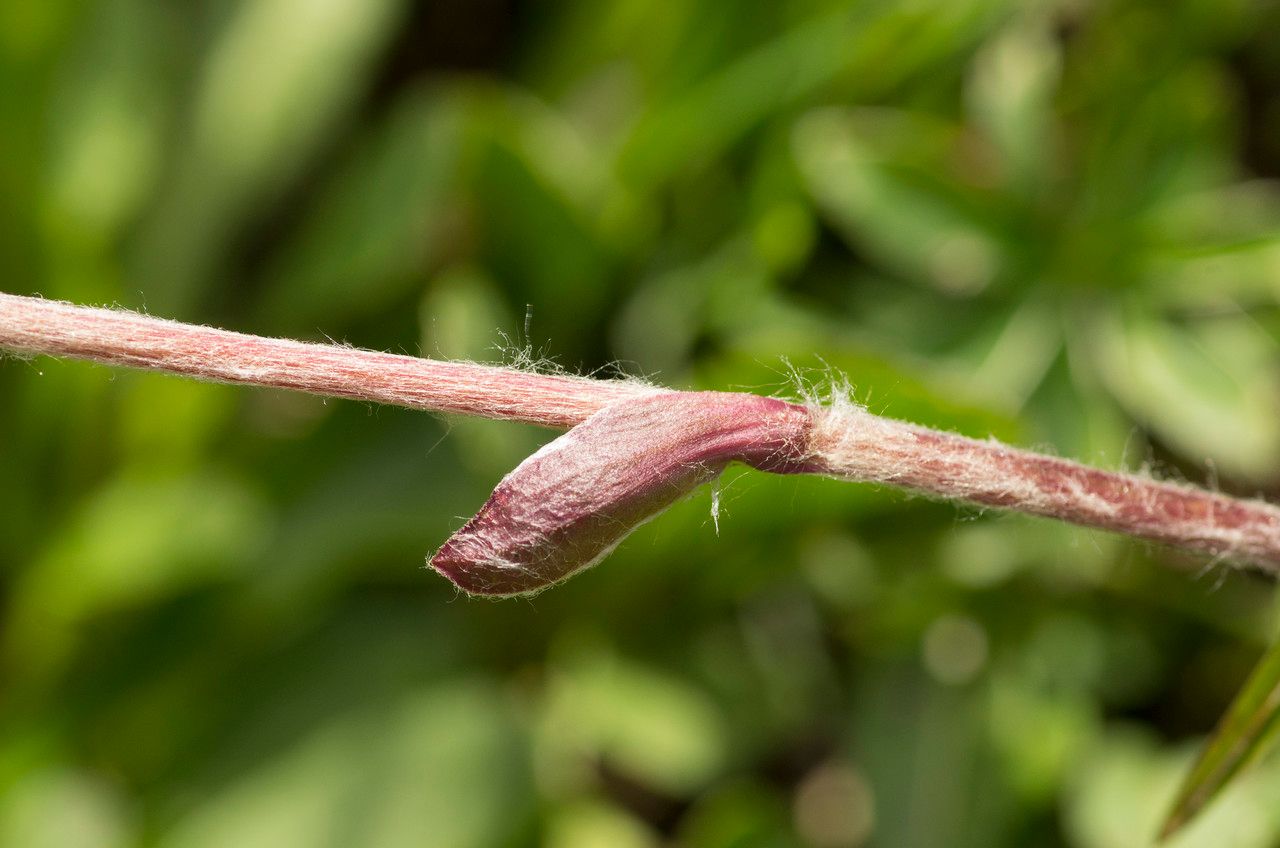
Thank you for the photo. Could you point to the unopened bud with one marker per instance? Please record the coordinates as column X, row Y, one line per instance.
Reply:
column 567, row 506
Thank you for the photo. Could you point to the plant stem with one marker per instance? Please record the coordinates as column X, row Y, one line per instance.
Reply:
column 853, row 444
column 114, row 337
column 846, row 442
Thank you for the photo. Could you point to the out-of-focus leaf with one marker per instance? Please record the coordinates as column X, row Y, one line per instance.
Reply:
column 443, row 767
column 929, row 735
column 1208, row 389
column 107, row 123
column 383, row 223
column 652, row 726
column 28, row 31
column 1216, row 249
column 546, row 245
column 391, row 494
column 909, row 217
column 256, row 122
column 713, row 114
column 1036, row 732
column 1151, row 138
column 597, row 826
column 249, row 113
column 1010, row 94
column 1247, row 731
column 1230, row 276
column 1122, row 787
column 622, row 35
column 1009, row 361
column 142, row 536
column 194, row 416
column 136, row 540
column 739, row 815
column 784, row 235
column 61, row 807
column 556, row 151
column 874, row 46
column 658, row 327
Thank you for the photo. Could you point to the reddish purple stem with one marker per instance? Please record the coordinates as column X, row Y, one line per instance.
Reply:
column 853, row 444
column 114, row 337
column 845, row 441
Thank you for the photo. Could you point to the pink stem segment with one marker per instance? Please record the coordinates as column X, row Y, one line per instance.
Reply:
column 114, row 337
column 853, row 444
column 845, row 442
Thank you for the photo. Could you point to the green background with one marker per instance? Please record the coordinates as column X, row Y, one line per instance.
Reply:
column 1055, row 223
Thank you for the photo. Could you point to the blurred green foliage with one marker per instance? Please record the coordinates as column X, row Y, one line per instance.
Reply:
column 1053, row 222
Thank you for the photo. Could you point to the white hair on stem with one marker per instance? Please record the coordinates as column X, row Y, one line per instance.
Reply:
column 828, row 434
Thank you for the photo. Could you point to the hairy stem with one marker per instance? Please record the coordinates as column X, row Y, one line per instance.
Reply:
column 844, row 442
column 113, row 337
column 854, row 444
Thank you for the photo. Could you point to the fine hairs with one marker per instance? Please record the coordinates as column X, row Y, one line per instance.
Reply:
column 633, row 448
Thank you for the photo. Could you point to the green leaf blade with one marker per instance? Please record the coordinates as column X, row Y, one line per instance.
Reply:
column 1249, row 728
